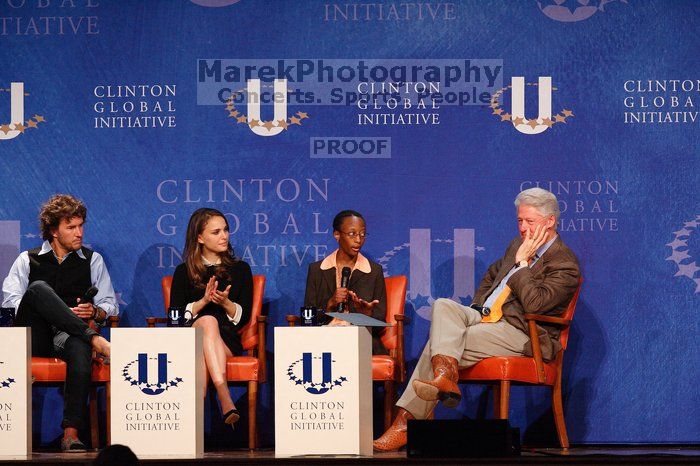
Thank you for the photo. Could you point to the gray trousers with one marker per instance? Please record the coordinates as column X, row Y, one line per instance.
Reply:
column 457, row 331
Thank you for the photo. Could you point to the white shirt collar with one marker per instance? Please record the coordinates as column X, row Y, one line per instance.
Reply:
column 46, row 248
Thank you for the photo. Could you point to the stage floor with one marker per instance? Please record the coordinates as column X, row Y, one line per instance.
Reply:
column 580, row 455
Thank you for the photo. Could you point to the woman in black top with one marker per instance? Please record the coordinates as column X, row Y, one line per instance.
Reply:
column 217, row 289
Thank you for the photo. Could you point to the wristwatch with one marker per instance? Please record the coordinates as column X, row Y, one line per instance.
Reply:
column 522, row 263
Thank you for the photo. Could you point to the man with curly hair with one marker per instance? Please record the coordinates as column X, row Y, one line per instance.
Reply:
column 45, row 285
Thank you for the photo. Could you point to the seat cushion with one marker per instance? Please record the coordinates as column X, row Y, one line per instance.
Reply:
column 53, row 370
column 242, row 368
column 517, row 369
column 383, row 367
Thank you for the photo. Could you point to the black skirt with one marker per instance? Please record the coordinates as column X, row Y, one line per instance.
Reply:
column 228, row 332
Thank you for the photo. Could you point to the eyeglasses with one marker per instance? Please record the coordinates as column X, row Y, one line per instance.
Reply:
column 354, row 234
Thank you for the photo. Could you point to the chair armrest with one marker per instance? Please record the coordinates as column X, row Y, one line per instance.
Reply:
column 548, row 319
column 262, row 355
column 292, row 320
column 152, row 321
column 113, row 321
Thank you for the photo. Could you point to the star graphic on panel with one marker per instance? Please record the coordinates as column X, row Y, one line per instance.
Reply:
column 337, row 383
column 11, row 380
column 518, row 120
column 678, row 256
column 505, row 117
column 303, row 115
column 241, row 119
column 295, row 121
column 282, row 124
column 687, row 270
column 5, row 384
column 533, row 123
column 5, row 128
column 560, row 119
column 299, row 382
column 269, row 125
column 420, row 301
column 683, row 232
column 39, row 118
column 567, row 113
column 343, row 379
column 677, row 242
column 133, row 382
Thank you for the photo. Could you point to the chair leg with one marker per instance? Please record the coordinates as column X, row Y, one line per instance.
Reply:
column 252, row 415
column 94, row 422
column 496, row 401
column 389, row 395
column 558, row 409
column 108, row 410
column 504, row 399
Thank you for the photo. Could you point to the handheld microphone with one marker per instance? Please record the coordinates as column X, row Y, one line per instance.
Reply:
column 88, row 295
column 344, row 279
column 484, row 311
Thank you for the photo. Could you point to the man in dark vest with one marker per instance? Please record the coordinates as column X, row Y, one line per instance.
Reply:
column 45, row 285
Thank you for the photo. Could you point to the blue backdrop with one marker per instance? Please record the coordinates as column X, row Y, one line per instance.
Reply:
column 123, row 106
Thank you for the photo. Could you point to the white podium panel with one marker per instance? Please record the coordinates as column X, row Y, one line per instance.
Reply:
column 157, row 377
column 323, row 391
column 15, row 393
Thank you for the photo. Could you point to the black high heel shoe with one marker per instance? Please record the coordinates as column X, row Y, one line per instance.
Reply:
column 232, row 417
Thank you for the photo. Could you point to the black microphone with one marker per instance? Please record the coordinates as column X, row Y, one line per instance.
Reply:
column 344, row 279
column 483, row 310
column 89, row 294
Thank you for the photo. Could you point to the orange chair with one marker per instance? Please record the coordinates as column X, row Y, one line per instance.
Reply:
column 249, row 368
column 52, row 372
column 390, row 368
column 501, row 372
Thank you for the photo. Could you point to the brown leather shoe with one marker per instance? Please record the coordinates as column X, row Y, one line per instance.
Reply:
column 395, row 436
column 444, row 386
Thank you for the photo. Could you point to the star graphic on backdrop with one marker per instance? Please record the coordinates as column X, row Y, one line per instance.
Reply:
column 5, row 128
column 687, row 270
column 497, row 111
column 420, row 301
column 683, row 232
column 253, row 123
column 295, row 121
column 560, row 119
column 20, row 127
column 533, row 123
column 480, row 248
column 678, row 256
column 31, row 124
column 303, row 115
column 30, row 235
column 677, row 242
column 269, row 125
column 505, row 117
column 692, row 224
column 233, row 113
column 697, row 285
column 465, row 300
column 241, row 119
column 121, row 301
column 518, row 120
column 567, row 113
column 548, row 122
column 39, row 118
column 282, row 124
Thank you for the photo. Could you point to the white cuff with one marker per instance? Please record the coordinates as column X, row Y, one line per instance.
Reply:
column 237, row 315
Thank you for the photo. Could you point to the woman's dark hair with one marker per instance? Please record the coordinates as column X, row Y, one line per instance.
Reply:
column 193, row 249
column 338, row 220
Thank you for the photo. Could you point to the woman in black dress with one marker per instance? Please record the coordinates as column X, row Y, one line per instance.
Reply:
column 217, row 289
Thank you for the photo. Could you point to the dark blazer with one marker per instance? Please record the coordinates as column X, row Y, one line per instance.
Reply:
column 546, row 288
column 320, row 286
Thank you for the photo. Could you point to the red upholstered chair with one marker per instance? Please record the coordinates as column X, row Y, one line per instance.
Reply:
column 389, row 369
column 249, row 368
column 502, row 372
column 52, row 372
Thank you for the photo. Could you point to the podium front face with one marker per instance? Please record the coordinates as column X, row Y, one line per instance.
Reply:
column 323, row 391
column 157, row 391
column 15, row 393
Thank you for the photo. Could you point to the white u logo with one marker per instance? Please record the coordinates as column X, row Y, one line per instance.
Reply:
column 517, row 104
column 16, row 110
column 280, row 108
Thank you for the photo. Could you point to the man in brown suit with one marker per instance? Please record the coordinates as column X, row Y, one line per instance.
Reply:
column 537, row 274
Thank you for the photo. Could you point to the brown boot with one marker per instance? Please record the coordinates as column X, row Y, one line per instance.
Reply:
column 444, row 386
column 395, row 436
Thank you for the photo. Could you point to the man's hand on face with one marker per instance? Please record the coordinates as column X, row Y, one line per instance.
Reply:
column 84, row 310
column 531, row 243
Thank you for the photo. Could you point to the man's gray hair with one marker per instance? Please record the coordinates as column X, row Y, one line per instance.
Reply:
column 541, row 199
